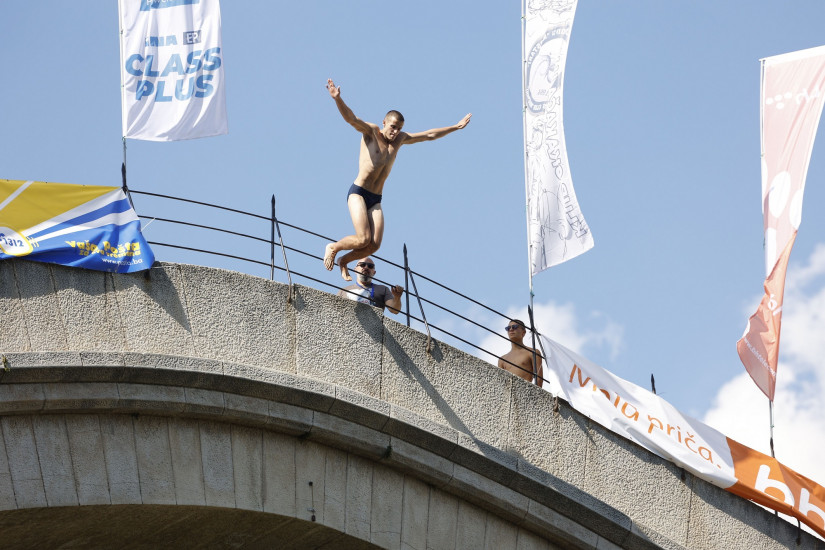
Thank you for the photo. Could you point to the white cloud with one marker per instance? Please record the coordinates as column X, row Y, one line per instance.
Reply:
column 740, row 410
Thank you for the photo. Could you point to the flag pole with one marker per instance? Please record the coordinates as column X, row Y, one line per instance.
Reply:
column 524, row 138
column 526, row 194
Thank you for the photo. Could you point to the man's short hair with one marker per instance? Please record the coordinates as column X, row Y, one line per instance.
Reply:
column 396, row 114
column 519, row 321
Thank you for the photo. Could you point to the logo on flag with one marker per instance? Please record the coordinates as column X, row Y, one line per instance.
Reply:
column 171, row 73
column 75, row 225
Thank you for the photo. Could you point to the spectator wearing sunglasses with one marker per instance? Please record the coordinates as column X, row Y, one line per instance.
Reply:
column 519, row 360
column 367, row 292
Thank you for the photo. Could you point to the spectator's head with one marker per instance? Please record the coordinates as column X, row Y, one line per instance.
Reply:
column 516, row 330
column 365, row 268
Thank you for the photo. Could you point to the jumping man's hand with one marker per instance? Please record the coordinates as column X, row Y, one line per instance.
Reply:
column 333, row 91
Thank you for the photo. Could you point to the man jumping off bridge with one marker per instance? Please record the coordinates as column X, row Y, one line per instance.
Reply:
column 379, row 147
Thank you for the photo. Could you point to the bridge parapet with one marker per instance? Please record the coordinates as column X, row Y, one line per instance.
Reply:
column 219, row 383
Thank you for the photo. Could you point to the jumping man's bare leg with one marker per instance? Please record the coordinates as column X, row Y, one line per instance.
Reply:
column 376, row 220
column 363, row 234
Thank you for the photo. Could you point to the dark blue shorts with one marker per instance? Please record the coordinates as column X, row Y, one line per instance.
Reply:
column 369, row 197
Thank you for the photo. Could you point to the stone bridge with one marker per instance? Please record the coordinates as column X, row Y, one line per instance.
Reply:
column 190, row 407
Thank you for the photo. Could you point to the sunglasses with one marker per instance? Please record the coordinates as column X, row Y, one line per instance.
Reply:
column 508, row 328
column 365, row 264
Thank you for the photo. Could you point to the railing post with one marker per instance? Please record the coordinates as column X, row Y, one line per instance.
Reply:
column 407, row 282
column 272, row 243
column 283, row 250
column 420, row 305
column 533, row 332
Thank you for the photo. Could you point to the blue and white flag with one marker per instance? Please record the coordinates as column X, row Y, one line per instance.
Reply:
column 172, row 70
column 555, row 223
column 87, row 226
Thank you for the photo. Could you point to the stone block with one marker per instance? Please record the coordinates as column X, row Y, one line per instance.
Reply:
column 23, row 462
column 447, row 386
column 86, row 444
column 81, row 396
column 342, row 433
column 88, row 308
column 338, row 341
column 218, row 480
column 500, row 534
column 290, row 419
column 386, row 508
column 252, row 324
column 608, row 459
column 169, row 399
column 416, row 508
column 7, row 501
column 443, row 521
column 152, row 305
column 530, row 541
column 471, row 527
column 719, row 518
column 203, row 402
column 121, row 458
column 21, row 398
column 360, row 408
column 187, row 462
column 55, row 458
column 421, row 431
column 335, row 490
column 246, row 409
column 310, row 480
column 560, row 529
column 14, row 332
column 41, row 309
column 154, row 460
column 279, row 471
column 247, row 465
column 482, row 491
column 535, row 427
column 359, row 497
column 429, row 467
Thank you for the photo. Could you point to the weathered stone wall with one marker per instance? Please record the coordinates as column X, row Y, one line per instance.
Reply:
column 195, row 392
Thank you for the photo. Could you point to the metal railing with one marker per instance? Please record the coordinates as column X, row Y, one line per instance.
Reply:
column 275, row 226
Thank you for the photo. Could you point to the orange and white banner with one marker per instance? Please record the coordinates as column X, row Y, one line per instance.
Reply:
column 653, row 423
column 556, row 227
column 792, row 94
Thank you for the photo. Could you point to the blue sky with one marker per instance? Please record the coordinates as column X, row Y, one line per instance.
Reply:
column 662, row 126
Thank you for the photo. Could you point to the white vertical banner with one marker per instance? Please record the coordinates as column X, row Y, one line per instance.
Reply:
column 556, row 227
column 172, row 70
column 792, row 94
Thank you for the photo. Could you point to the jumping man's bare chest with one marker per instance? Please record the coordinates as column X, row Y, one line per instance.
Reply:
column 381, row 153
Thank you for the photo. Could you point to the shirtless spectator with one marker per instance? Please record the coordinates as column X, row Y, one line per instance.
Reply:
column 365, row 291
column 519, row 360
column 379, row 147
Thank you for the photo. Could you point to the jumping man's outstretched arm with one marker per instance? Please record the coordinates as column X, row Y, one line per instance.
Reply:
column 436, row 133
column 346, row 112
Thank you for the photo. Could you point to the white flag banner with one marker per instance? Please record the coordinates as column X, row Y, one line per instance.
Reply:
column 556, row 227
column 793, row 93
column 653, row 423
column 172, row 73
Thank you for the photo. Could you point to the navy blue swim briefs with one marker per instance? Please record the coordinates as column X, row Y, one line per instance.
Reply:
column 369, row 197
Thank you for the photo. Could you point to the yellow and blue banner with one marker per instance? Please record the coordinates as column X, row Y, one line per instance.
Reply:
column 87, row 226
